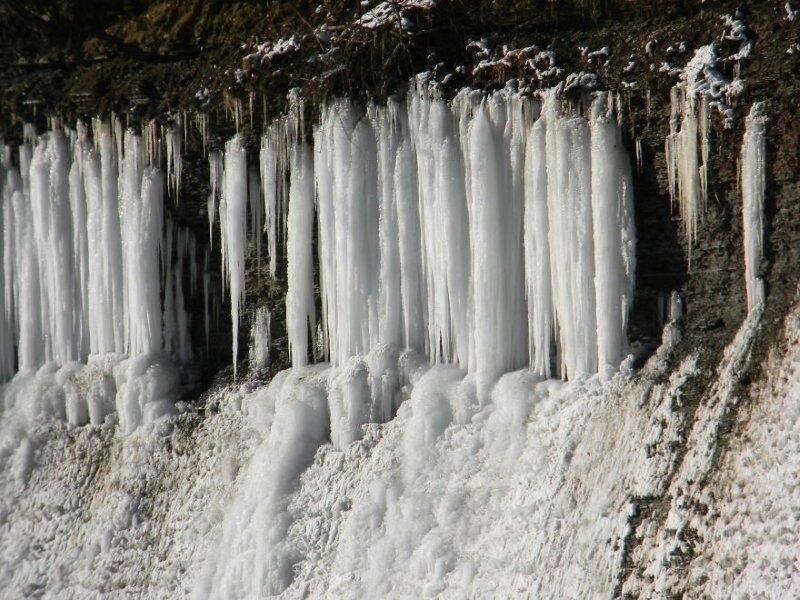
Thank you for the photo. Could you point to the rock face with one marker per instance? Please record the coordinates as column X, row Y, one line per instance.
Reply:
column 710, row 404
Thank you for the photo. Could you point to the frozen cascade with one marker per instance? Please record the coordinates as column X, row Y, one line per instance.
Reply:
column 491, row 233
column 753, row 190
column 87, row 255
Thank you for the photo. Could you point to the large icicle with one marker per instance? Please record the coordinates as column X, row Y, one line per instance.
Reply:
column 346, row 175
column 300, row 316
column 141, row 200
column 444, row 230
column 612, row 208
column 537, row 253
column 753, row 191
column 233, row 209
column 81, row 241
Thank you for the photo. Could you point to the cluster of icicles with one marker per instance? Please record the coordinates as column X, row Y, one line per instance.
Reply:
column 687, row 151
column 492, row 232
column 90, row 264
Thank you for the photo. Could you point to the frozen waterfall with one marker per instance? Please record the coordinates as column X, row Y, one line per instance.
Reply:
column 492, row 232
column 90, row 263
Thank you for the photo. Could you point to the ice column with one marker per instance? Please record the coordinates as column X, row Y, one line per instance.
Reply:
column 141, row 204
column 300, row 315
column 613, row 233
column 444, row 229
column 538, row 286
column 753, row 190
column 346, row 175
column 232, row 212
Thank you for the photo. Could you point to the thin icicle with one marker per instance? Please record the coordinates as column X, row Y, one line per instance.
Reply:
column 215, row 168
column 174, row 143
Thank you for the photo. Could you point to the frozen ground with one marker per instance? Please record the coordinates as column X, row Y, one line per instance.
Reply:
column 546, row 490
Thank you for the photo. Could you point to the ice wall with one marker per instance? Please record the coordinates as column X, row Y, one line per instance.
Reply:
column 90, row 264
column 491, row 232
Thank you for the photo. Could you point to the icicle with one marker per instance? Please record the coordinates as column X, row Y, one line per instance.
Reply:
column 233, row 209
column 612, row 211
column 346, row 174
column 687, row 169
column 300, row 317
column 753, row 191
column 174, row 142
column 443, row 228
column 141, row 204
column 6, row 276
column 256, row 214
column 215, row 168
column 639, row 154
column 495, row 217
column 152, row 144
column 251, row 97
column 206, row 296
column 201, row 122
column 269, row 170
column 537, row 251
column 390, row 317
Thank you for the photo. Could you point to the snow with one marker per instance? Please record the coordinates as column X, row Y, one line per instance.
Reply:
column 265, row 52
column 393, row 11
column 538, row 490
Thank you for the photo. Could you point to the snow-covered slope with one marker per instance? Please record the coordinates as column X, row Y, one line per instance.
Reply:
column 545, row 490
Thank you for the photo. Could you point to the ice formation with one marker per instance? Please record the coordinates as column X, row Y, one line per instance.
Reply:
column 87, row 252
column 753, row 189
column 480, row 233
column 687, row 165
column 260, row 339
